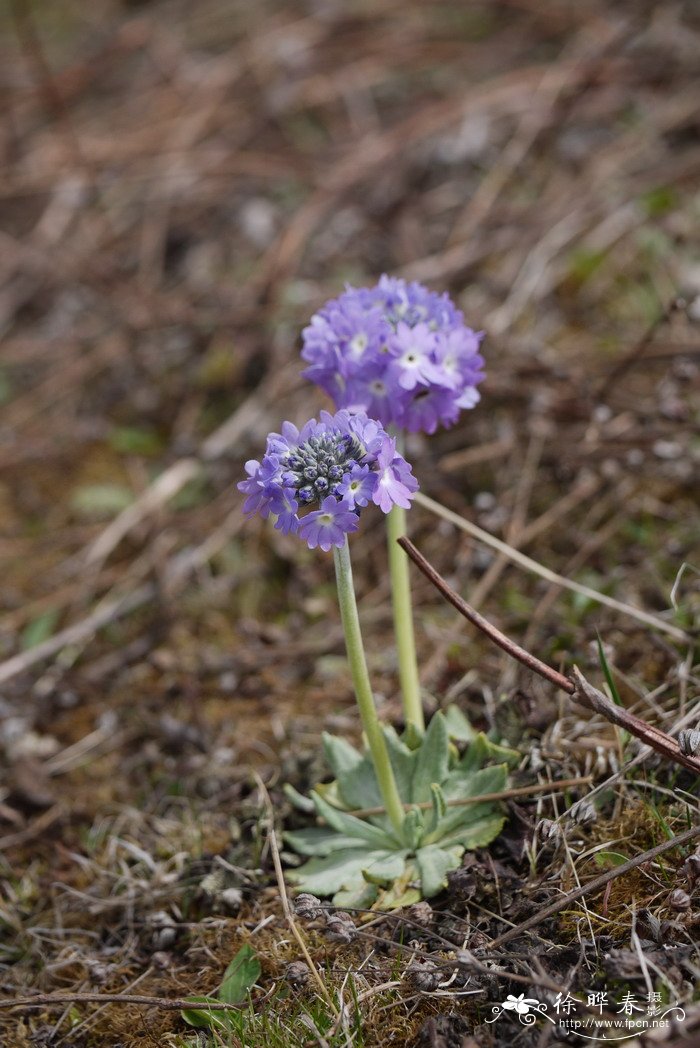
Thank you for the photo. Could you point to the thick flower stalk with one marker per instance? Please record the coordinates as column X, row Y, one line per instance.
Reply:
column 315, row 482
column 404, row 355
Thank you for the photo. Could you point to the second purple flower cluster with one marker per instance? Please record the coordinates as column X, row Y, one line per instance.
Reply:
column 397, row 351
column 338, row 464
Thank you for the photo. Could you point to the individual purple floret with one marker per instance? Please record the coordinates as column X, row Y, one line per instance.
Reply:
column 328, row 526
column 332, row 467
column 397, row 351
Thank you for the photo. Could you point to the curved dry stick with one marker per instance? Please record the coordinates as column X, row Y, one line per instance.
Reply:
column 523, row 561
column 578, row 688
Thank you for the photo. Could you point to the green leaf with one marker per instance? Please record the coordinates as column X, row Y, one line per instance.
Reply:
column 358, row 787
column 300, row 802
column 240, row 977
column 101, row 500
column 341, row 756
column 351, row 826
column 39, row 629
column 329, row 792
column 432, row 760
column 412, row 736
column 609, row 858
column 361, row 898
column 458, row 786
column 330, row 874
column 481, row 750
column 396, row 897
column 134, row 440
column 385, row 870
column 458, row 727
column 413, row 828
column 433, row 865
column 357, row 784
column 438, row 810
column 403, row 760
column 318, row 840
column 476, row 834
column 206, row 1020
column 614, row 693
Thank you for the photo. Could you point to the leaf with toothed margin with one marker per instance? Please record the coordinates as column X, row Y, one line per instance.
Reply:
column 459, row 787
column 458, row 727
column 318, row 840
column 333, row 873
column 362, row 898
column 481, row 750
column 403, row 760
column 412, row 829
column 432, row 760
column 341, row 756
column 386, row 870
column 351, row 826
column 437, row 812
column 433, row 866
column 476, row 835
column 357, row 785
column 298, row 800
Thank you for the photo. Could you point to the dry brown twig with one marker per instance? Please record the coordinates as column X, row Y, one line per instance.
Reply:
column 289, row 916
column 596, row 884
column 578, row 687
column 59, row 1000
column 481, row 798
column 529, row 564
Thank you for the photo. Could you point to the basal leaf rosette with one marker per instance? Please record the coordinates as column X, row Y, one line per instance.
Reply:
column 362, row 861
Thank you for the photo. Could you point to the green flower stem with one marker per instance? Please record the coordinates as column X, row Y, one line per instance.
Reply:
column 363, row 688
column 403, row 620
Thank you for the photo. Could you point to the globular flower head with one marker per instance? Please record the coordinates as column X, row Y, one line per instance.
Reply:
column 397, row 351
column 316, row 480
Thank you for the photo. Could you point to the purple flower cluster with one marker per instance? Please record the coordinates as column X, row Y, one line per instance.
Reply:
column 338, row 464
column 397, row 351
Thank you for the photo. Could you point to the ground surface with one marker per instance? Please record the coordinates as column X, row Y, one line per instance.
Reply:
column 176, row 198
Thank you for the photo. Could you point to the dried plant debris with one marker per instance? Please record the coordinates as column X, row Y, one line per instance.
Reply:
column 182, row 187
